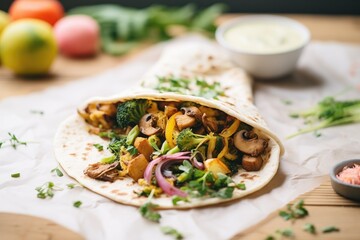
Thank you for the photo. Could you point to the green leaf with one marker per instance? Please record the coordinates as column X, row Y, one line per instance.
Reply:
column 330, row 229
column 47, row 190
column 285, row 215
column 134, row 132
column 241, row 186
column 225, row 192
column 57, row 171
column 285, row 232
column 294, row 211
column 172, row 231
column 310, row 228
column 177, row 199
column 108, row 160
column 37, row 112
column 15, row 175
column 71, row 185
column 148, row 212
column 98, row 146
column 222, row 181
column 270, row 238
column 132, row 150
column 14, row 141
column 77, row 204
column 286, row 102
column 186, row 166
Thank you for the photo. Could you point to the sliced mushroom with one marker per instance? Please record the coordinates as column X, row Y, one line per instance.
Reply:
column 104, row 172
column 250, row 163
column 148, row 123
column 249, row 143
column 209, row 123
column 184, row 121
column 192, row 111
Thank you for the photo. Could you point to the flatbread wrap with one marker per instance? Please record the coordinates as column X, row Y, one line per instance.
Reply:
column 189, row 135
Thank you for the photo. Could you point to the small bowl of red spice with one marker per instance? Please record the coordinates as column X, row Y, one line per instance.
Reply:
column 345, row 179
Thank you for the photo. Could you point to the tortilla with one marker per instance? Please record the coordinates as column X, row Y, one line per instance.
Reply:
column 74, row 144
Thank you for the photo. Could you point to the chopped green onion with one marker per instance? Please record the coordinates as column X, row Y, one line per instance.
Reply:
column 77, row 204
column 15, row 175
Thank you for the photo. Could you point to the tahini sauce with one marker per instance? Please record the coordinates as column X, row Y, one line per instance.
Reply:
column 263, row 37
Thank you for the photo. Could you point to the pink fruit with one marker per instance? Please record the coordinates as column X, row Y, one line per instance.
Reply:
column 77, row 36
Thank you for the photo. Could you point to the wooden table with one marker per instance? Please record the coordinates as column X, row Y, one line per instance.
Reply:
column 324, row 205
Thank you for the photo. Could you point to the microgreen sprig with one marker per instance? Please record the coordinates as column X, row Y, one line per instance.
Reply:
column 147, row 210
column 172, row 231
column 47, row 190
column 294, row 211
column 57, row 171
column 14, row 141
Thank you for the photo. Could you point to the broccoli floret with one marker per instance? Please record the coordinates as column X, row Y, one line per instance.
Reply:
column 187, row 140
column 129, row 113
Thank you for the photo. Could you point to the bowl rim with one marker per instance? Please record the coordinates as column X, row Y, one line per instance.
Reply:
column 220, row 31
column 341, row 166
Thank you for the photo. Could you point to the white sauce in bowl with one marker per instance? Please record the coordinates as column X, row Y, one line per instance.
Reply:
column 263, row 37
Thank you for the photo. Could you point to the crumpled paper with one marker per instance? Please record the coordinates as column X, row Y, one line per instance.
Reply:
column 325, row 69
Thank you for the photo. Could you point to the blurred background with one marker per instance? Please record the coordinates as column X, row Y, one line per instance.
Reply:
column 243, row 6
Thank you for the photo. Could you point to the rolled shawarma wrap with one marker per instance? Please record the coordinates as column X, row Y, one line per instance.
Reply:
column 189, row 131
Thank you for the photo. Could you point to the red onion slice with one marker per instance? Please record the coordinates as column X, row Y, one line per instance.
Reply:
column 199, row 165
column 150, row 166
column 163, row 183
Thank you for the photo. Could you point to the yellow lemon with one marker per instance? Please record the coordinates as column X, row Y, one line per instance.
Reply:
column 28, row 47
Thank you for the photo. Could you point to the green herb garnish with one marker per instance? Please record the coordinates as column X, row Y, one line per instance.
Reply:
column 47, row 190
column 15, row 175
column 108, row 160
column 195, row 87
column 132, row 150
column 147, row 210
column 57, row 171
column 270, row 237
column 285, row 232
column 294, row 211
column 37, row 112
column 330, row 229
column 172, row 231
column 310, row 228
column 241, row 186
column 98, row 146
column 328, row 113
column 286, row 102
column 14, row 141
column 71, row 185
column 77, row 204
column 177, row 199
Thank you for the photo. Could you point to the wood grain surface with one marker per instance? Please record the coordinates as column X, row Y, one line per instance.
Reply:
column 325, row 207
column 25, row 227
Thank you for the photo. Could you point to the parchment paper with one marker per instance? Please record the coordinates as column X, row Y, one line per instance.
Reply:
column 325, row 69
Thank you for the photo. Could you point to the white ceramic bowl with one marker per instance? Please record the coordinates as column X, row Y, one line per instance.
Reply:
column 265, row 65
